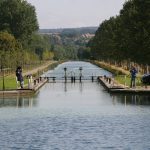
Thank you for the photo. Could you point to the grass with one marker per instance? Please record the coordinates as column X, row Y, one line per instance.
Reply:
column 127, row 80
column 10, row 82
column 121, row 75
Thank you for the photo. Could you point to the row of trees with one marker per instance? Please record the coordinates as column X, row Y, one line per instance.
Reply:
column 126, row 36
column 19, row 42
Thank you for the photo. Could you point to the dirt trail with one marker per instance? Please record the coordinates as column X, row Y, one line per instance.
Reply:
column 33, row 71
column 126, row 72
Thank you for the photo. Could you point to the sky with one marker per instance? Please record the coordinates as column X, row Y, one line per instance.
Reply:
column 74, row 13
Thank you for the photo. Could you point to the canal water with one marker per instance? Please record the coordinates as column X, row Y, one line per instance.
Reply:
column 75, row 116
column 76, row 69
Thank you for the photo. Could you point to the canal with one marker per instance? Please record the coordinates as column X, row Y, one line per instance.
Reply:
column 75, row 116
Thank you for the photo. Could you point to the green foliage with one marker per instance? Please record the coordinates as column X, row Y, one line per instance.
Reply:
column 125, row 37
column 70, row 31
column 9, row 49
column 84, row 53
column 17, row 24
column 18, row 18
column 47, row 55
column 70, row 43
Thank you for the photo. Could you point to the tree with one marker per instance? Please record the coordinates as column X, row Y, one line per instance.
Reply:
column 125, row 37
column 18, row 18
column 39, row 43
column 84, row 53
column 47, row 55
column 10, row 48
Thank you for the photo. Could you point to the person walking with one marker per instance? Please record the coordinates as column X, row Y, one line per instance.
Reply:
column 133, row 73
column 19, row 76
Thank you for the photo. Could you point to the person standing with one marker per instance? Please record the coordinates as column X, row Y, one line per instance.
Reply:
column 133, row 73
column 19, row 76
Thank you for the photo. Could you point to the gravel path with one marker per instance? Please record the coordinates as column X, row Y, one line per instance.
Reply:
column 33, row 71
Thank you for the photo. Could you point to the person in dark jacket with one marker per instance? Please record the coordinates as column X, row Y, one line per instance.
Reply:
column 19, row 76
column 133, row 73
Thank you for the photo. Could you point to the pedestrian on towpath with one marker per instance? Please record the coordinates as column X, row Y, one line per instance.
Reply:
column 19, row 76
column 133, row 73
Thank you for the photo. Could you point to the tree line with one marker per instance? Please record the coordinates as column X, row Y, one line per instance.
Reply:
column 125, row 37
column 19, row 42
column 23, row 44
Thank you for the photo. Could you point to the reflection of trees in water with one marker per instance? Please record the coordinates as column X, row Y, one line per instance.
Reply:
column 131, row 99
column 67, row 86
column 17, row 101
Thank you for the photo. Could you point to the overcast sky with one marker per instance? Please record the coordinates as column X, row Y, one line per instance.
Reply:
column 74, row 13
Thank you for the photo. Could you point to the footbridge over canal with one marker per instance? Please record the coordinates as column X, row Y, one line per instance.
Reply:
column 75, row 71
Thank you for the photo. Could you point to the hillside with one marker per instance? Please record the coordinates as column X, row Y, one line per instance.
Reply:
column 70, row 43
column 82, row 30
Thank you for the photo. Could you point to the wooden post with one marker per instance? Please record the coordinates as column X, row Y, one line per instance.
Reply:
column 92, row 78
column 80, row 74
column 125, row 77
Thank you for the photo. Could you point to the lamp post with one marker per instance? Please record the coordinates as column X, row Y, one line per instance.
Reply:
column 80, row 73
column 3, row 74
column 65, row 70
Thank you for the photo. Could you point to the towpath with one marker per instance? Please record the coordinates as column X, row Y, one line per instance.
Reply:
column 40, row 68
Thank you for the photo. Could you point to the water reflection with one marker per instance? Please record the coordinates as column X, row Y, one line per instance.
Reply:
column 17, row 101
column 65, row 87
column 75, row 116
column 81, row 87
column 72, row 85
column 130, row 99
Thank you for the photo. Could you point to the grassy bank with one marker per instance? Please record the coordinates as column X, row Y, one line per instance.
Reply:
column 10, row 83
column 10, row 80
column 111, row 68
column 121, row 75
column 126, row 80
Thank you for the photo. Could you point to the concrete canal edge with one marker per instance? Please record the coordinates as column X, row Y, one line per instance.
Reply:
column 25, row 91
column 34, row 87
column 113, row 87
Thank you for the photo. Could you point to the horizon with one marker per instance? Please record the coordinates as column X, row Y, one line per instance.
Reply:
column 69, row 28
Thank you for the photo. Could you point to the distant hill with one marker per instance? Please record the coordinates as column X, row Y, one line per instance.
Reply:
column 69, row 31
column 69, row 43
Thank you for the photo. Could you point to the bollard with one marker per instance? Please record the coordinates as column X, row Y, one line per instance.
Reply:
column 106, row 79
column 40, row 78
column 53, row 79
column 109, row 79
column 34, row 82
column 29, row 83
